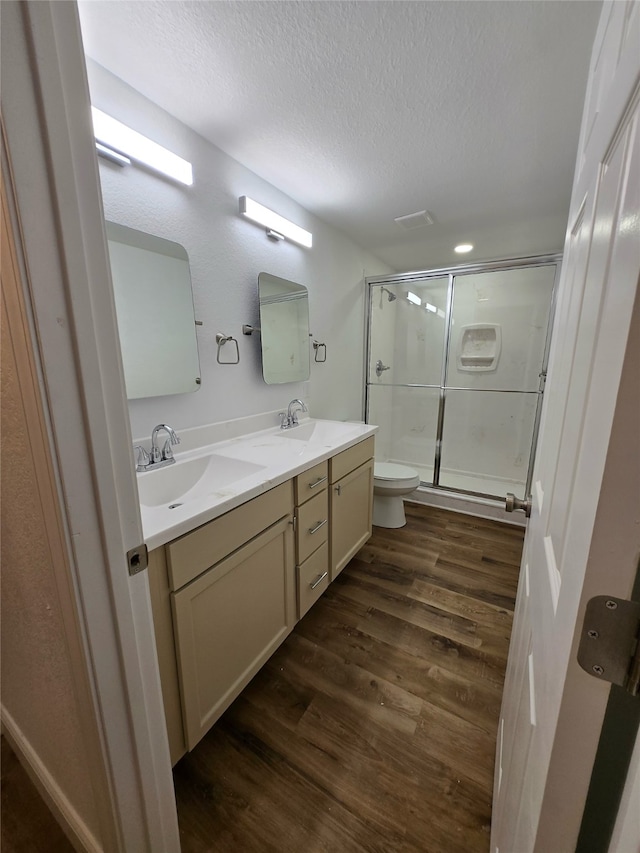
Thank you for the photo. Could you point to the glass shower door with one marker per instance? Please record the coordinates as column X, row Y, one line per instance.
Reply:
column 495, row 360
column 405, row 373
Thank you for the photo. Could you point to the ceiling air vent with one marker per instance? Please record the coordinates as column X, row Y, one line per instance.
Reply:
column 415, row 220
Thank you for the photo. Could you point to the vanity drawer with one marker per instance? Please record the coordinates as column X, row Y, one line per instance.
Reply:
column 313, row 527
column 350, row 459
column 313, row 578
column 193, row 553
column 311, row 482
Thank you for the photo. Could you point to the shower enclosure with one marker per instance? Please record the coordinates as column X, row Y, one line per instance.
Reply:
column 456, row 368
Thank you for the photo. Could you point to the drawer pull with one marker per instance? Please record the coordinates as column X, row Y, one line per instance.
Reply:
column 317, row 482
column 317, row 527
column 318, row 580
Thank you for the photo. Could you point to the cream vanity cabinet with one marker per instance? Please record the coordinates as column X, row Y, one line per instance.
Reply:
column 351, row 505
column 225, row 595
column 223, row 598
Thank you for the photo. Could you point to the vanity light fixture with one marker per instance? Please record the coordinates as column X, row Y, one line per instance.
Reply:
column 110, row 154
column 431, row 308
column 463, row 248
column 413, row 298
column 130, row 145
column 277, row 226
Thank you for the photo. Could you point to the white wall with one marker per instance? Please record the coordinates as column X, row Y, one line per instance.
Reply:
column 226, row 254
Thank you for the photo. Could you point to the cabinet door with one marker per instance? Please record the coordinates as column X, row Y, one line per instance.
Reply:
column 351, row 510
column 229, row 621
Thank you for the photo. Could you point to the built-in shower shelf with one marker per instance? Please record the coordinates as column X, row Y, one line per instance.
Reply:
column 479, row 347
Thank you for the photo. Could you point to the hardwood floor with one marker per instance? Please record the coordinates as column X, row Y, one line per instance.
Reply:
column 373, row 727
column 27, row 825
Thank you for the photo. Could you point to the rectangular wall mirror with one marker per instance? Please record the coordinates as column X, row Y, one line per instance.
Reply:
column 154, row 306
column 284, row 324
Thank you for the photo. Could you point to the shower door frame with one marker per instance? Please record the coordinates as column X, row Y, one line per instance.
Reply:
column 451, row 273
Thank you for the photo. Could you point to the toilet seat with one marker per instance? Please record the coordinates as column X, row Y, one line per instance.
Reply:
column 393, row 471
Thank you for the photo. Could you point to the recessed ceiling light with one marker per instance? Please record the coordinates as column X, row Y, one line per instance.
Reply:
column 462, row 248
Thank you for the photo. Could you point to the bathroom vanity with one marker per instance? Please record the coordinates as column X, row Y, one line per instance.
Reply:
column 234, row 568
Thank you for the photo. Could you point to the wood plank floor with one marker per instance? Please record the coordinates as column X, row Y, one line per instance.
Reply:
column 373, row 727
column 27, row 825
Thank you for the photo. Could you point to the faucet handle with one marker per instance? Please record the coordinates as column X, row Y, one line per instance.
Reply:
column 142, row 458
column 167, row 452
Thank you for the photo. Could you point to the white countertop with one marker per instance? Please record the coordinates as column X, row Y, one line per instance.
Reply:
column 209, row 481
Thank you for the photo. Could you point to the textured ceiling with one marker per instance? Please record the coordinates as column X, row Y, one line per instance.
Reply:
column 365, row 111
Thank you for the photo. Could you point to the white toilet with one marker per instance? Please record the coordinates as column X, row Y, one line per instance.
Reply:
column 390, row 483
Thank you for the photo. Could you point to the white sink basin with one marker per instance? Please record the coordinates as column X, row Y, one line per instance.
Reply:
column 303, row 432
column 215, row 478
column 319, row 433
column 191, row 479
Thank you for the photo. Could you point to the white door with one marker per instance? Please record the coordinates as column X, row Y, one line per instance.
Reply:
column 582, row 538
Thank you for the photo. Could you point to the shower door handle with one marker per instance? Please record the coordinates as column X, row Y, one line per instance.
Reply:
column 512, row 503
column 380, row 367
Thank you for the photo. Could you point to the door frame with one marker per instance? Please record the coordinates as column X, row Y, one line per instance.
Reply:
column 45, row 101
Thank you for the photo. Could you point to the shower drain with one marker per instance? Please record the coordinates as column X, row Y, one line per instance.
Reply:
column 173, row 506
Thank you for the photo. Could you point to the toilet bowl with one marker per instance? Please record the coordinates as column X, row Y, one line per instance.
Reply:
column 390, row 483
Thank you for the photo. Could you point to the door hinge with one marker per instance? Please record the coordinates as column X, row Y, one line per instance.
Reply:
column 610, row 641
column 138, row 559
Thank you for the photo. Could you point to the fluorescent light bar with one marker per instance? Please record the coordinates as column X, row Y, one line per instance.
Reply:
column 113, row 133
column 431, row 308
column 110, row 154
column 413, row 298
column 463, row 248
column 273, row 221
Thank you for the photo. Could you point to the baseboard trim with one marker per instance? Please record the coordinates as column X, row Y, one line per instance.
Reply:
column 467, row 505
column 76, row 830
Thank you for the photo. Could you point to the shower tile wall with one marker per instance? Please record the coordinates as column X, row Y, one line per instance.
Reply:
column 490, row 406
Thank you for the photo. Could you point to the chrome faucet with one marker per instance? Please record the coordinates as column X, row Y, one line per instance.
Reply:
column 291, row 418
column 166, row 454
column 156, row 458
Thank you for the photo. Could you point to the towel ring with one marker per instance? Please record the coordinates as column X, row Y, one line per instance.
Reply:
column 221, row 340
column 318, row 347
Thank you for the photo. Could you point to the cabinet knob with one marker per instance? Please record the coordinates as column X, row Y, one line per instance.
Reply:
column 339, row 489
